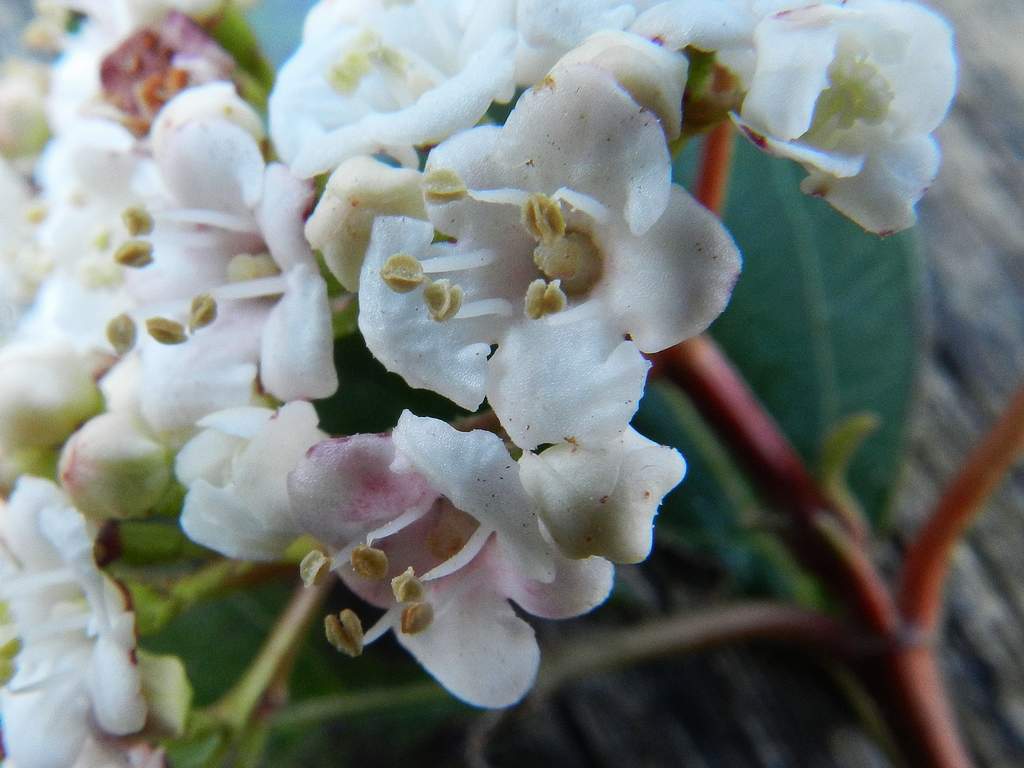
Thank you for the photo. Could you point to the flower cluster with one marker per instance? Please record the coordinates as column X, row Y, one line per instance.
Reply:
column 490, row 183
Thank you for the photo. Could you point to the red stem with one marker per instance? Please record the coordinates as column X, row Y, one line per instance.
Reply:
column 713, row 181
column 831, row 546
column 927, row 560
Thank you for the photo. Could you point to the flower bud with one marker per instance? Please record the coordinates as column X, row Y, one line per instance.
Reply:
column 45, row 393
column 23, row 126
column 112, row 468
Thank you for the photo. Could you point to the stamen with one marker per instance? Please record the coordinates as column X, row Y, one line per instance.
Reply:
column 314, row 568
column 202, row 313
column 137, row 221
column 443, row 186
column 345, row 632
column 416, row 618
column 248, row 266
column 574, row 259
column 402, row 272
column 407, row 588
column 134, row 253
column 543, row 298
column 443, row 300
column 121, row 334
column 370, row 563
column 166, row 331
column 543, row 218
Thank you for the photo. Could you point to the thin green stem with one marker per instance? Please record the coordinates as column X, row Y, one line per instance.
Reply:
column 241, row 703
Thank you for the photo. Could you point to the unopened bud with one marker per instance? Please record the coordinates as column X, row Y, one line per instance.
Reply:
column 416, row 618
column 369, row 563
column 345, row 632
column 314, row 568
column 407, row 588
column 45, row 393
column 112, row 468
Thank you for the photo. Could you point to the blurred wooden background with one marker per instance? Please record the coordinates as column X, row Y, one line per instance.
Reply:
column 767, row 707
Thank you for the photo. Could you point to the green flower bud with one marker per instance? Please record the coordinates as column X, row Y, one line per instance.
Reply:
column 112, row 468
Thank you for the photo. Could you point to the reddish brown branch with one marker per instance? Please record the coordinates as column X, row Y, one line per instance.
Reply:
column 927, row 560
column 713, row 181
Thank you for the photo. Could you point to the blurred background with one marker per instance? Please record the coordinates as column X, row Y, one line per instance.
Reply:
column 925, row 331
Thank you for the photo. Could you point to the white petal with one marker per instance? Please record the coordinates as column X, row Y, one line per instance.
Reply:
column 478, row 649
column 579, row 586
column 475, row 472
column 213, row 164
column 602, row 500
column 220, row 519
column 344, row 488
column 297, row 351
column 560, row 377
column 581, row 130
column 882, row 197
column 281, row 215
column 794, row 51
column 708, row 26
column 448, row 357
column 670, row 284
column 116, row 689
column 45, row 728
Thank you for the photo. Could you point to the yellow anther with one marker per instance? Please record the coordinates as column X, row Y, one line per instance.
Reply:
column 203, row 311
column 402, row 273
column 543, row 217
column 443, row 185
column 166, row 331
column 134, row 253
column 137, row 221
column 416, row 618
column 36, row 214
column 574, row 259
column 314, row 568
column 345, row 632
column 370, row 563
column 443, row 300
column 543, row 298
column 247, row 266
column 407, row 588
column 121, row 334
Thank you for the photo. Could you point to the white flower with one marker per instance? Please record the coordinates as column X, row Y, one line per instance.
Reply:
column 387, row 77
column 75, row 679
column 451, row 507
column 227, row 259
column 568, row 237
column 602, row 500
column 236, row 473
column 853, row 91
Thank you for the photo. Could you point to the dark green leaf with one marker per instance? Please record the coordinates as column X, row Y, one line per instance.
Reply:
column 824, row 322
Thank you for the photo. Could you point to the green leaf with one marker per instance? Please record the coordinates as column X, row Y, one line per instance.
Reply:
column 369, row 399
column 824, row 323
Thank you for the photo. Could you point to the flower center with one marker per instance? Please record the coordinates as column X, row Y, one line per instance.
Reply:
column 857, row 91
column 566, row 255
column 366, row 55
